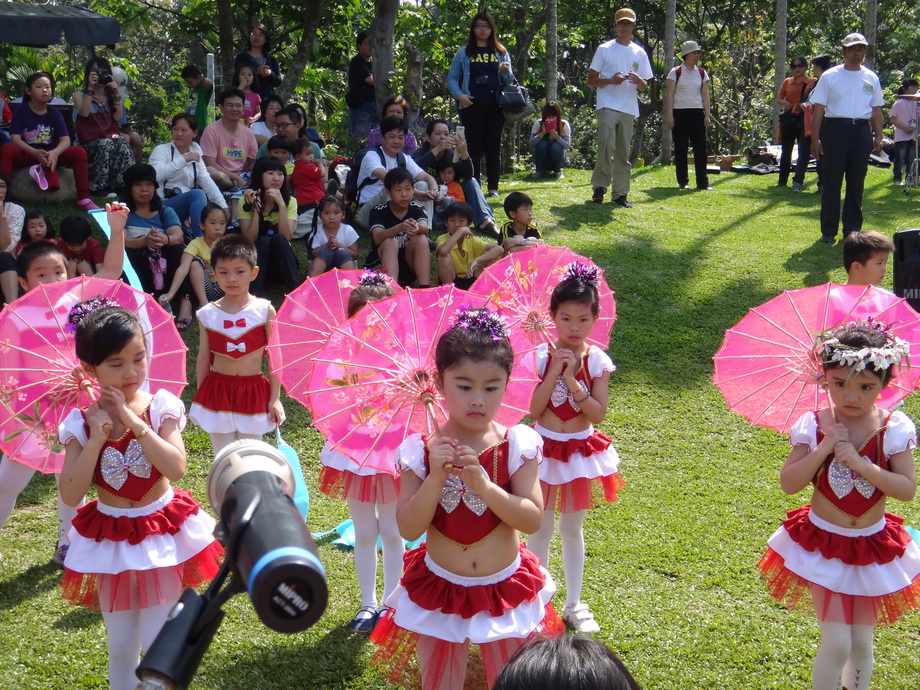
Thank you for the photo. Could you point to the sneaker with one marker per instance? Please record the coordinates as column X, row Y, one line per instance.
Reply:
column 707, row 188
column 60, row 553
column 87, row 205
column 111, row 195
column 621, row 201
column 898, row 183
column 580, row 618
column 796, row 187
column 599, row 193
column 559, row 175
column 493, row 194
column 37, row 173
column 536, row 176
column 827, row 239
column 685, row 186
column 780, row 184
column 365, row 620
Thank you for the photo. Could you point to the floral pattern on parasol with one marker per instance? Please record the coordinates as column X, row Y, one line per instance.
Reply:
column 767, row 369
column 40, row 376
column 374, row 382
column 304, row 323
column 522, row 283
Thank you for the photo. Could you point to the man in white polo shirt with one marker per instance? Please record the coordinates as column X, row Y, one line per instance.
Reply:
column 619, row 70
column 847, row 113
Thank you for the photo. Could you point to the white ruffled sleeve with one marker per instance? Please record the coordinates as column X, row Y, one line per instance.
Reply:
column 542, row 358
column 411, row 456
column 73, row 427
column 165, row 406
column 524, row 444
column 900, row 434
column 805, row 431
column 599, row 363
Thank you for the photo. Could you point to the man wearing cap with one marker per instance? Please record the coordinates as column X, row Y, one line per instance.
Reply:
column 687, row 114
column 847, row 113
column 619, row 70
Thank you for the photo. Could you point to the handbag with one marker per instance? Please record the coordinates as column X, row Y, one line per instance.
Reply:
column 512, row 98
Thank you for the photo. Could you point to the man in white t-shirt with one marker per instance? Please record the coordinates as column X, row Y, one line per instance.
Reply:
column 619, row 70
column 847, row 113
column 393, row 133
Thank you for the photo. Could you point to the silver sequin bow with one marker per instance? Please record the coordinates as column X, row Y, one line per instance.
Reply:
column 115, row 465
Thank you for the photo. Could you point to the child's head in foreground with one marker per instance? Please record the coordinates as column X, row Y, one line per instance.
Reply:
column 103, row 329
column 231, row 247
column 40, row 263
column 302, row 150
column 372, row 287
column 865, row 257
column 478, row 336
column 517, row 204
column 458, row 215
column 572, row 662
column 861, row 346
column 447, row 171
column 578, row 285
column 279, row 147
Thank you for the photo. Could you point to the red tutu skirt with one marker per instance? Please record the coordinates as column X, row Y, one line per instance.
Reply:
column 508, row 608
column 232, row 404
column 583, row 494
column 379, row 489
column 865, row 576
column 133, row 558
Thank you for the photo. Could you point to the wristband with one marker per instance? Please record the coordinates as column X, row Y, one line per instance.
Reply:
column 587, row 395
column 142, row 433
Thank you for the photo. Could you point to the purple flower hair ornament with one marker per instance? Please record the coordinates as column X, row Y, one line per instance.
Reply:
column 83, row 309
column 582, row 273
column 373, row 279
column 481, row 320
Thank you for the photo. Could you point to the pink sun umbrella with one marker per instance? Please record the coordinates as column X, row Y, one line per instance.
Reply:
column 40, row 376
column 522, row 283
column 374, row 382
column 767, row 369
column 304, row 323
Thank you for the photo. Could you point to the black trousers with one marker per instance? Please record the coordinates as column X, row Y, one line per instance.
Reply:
column 793, row 133
column 845, row 149
column 484, row 124
column 690, row 128
column 276, row 255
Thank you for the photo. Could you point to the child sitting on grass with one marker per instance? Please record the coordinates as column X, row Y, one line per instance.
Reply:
column 83, row 253
column 865, row 257
column 462, row 255
column 196, row 262
column 519, row 232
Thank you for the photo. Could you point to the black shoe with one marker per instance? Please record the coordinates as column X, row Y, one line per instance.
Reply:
column 365, row 620
column 685, row 186
column 599, row 193
column 827, row 239
column 707, row 188
column 621, row 201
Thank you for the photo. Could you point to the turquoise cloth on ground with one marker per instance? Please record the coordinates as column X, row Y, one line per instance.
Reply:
column 301, row 493
column 346, row 532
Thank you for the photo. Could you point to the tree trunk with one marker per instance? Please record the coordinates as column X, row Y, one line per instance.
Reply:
column 780, row 65
column 670, row 21
column 381, row 32
column 871, row 31
column 552, row 52
column 312, row 15
column 225, row 41
column 415, row 87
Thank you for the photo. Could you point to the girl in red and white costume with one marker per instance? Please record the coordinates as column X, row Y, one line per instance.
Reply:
column 234, row 399
column 371, row 495
column 855, row 562
column 135, row 548
column 571, row 399
column 473, row 487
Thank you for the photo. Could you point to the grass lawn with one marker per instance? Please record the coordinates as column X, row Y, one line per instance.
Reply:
column 671, row 569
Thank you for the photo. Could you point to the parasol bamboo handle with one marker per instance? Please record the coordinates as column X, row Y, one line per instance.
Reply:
column 87, row 388
column 428, row 401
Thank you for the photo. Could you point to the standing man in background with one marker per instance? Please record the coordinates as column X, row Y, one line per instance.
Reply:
column 619, row 70
column 361, row 97
column 848, row 112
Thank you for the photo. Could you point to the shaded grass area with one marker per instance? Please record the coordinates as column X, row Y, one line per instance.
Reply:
column 671, row 569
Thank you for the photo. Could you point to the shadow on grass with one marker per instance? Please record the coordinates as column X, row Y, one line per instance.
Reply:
column 78, row 619
column 29, row 584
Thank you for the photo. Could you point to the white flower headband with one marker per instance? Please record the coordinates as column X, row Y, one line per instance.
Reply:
column 830, row 350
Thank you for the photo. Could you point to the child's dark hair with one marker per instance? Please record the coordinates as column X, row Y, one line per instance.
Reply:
column 859, row 247
column 34, row 214
column 299, row 145
column 32, row 78
column 459, row 208
column 571, row 662
column 105, row 332
column 515, row 200
column 234, row 247
column 75, row 230
column 396, row 175
column 477, row 335
column 853, row 337
column 33, row 251
column 578, row 284
column 190, row 72
column 235, row 82
column 209, row 209
column 279, row 142
column 445, row 163
column 329, row 201
column 372, row 290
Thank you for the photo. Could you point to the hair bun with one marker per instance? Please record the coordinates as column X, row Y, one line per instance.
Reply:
column 480, row 319
column 583, row 273
column 83, row 309
column 373, row 279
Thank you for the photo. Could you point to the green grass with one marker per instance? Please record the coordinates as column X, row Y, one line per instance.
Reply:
column 671, row 569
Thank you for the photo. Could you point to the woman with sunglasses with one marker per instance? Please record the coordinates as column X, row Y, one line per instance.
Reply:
column 792, row 94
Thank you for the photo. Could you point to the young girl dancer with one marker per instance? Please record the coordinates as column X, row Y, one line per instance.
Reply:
column 855, row 561
column 371, row 496
column 135, row 548
column 473, row 487
column 571, row 399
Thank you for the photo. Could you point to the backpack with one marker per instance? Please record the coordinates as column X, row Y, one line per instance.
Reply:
column 677, row 72
column 352, row 187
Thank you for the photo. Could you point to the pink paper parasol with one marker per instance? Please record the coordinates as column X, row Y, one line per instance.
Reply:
column 374, row 381
column 304, row 324
column 522, row 283
column 40, row 379
column 766, row 367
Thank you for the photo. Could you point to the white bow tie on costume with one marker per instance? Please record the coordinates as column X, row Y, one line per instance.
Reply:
column 115, row 466
column 236, row 347
column 454, row 490
column 843, row 480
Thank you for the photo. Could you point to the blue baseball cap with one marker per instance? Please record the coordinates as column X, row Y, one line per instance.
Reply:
column 313, row 135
